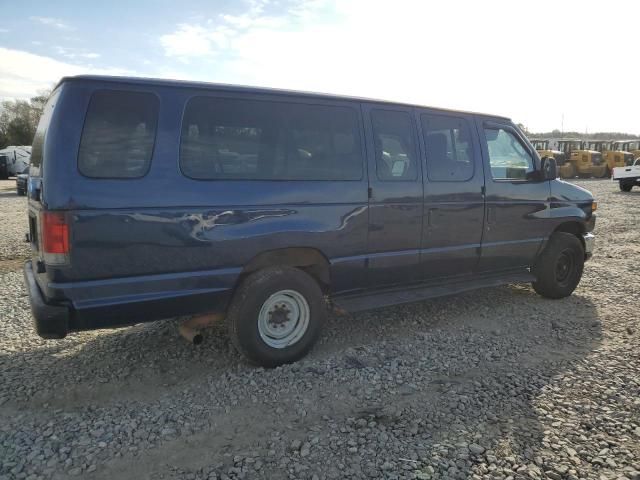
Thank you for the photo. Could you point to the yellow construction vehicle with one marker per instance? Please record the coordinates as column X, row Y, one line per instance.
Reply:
column 542, row 147
column 629, row 146
column 580, row 160
column 613, row 156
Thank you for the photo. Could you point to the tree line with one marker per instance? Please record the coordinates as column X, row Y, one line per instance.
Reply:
column 580, row 135
column 19, row 119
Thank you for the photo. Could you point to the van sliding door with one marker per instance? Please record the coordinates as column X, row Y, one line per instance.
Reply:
column 395, row 203
column 453, row 197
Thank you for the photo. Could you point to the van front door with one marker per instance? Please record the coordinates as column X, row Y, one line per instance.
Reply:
column 453, row 197
column 517, row 201
column 395, row 203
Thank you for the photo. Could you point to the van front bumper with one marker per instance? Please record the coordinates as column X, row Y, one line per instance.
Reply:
column 51, row 321
column 589, row 244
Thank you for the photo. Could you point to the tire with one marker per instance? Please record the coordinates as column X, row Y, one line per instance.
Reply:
column 625, row 187
column 558, row 269
column 276, row 290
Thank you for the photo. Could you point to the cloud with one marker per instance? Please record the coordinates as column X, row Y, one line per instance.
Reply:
column 74, row 53
column 196, row 41
column 22, row 74
column 51, row 22
column 431, row 53
column 188, row 41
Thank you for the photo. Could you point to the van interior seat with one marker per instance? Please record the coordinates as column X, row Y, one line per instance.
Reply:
column 440, row 165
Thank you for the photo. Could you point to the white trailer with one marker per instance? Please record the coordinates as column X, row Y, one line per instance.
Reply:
column 627, row 177
column 18, row 158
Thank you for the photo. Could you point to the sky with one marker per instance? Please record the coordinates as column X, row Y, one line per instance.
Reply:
column 546, row 64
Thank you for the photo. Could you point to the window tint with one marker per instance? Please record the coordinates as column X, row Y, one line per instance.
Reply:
column 509, row 159
column 395, row 150
column 257, row 140
column 118, row 135
column 448, row 147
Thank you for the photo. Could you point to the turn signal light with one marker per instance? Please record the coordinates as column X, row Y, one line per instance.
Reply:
column 594, row 206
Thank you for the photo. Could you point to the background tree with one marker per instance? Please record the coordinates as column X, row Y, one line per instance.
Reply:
column 19, row 119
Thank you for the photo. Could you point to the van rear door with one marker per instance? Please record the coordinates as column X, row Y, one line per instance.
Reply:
column 36, row 204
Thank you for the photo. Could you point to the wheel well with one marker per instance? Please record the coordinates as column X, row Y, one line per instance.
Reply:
column 309, row 260
column 574, row 228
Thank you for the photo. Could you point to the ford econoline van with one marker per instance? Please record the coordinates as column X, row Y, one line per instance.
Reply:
column 151, row 198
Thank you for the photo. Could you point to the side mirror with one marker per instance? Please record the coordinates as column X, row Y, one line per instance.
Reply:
column 549, row 168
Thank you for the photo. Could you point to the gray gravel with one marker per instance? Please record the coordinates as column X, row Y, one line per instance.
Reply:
column 497, row 383
column 13, row 222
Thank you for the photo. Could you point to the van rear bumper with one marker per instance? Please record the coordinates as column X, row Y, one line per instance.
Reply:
column 51, row 321
column 105, row 305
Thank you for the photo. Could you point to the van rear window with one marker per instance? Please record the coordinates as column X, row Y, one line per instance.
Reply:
column 119, row 134
column 259, row 140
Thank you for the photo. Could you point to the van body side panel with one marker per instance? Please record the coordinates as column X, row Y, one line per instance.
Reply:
column 517, row 215
column 165, row 236
column 125, row 242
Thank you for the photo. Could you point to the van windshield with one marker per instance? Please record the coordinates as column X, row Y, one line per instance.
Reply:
column 37, row 149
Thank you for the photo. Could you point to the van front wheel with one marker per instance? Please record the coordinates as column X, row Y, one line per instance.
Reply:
column 558, row 269
column 276, row 315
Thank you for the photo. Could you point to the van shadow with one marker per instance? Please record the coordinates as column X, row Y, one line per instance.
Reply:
column 497, row 381
column 483, row 366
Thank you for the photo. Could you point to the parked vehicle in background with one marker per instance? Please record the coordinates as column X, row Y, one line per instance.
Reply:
column 21, row 182
column 612, row 157
column 543, row 149
column 259, row 204
column 631, row 146
column 4, row 169
column 18, row 158
column 581, row 161
column 628, row 176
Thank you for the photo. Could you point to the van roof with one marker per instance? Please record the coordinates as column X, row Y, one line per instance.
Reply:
column 248, row 89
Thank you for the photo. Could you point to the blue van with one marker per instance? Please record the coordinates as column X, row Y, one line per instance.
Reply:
column 150, row 199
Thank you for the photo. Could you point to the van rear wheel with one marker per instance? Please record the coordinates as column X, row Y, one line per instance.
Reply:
column 558, row 270
column 276, row 315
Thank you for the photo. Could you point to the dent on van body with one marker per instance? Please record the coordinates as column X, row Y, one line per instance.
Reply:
column 212, row 244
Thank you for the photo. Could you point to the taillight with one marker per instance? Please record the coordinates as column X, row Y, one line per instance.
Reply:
column 55, row 237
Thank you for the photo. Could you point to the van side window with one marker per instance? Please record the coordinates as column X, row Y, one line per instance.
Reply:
column 448, row 146
column 118, row 135
column 395, row 149
column 225, row 138
column 508, row 158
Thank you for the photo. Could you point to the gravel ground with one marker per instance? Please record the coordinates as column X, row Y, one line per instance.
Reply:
column 13, row 227
column 497, row 383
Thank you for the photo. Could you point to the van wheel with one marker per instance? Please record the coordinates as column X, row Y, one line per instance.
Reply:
column 276, row 315
column 559, row 267
column 625, row 187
